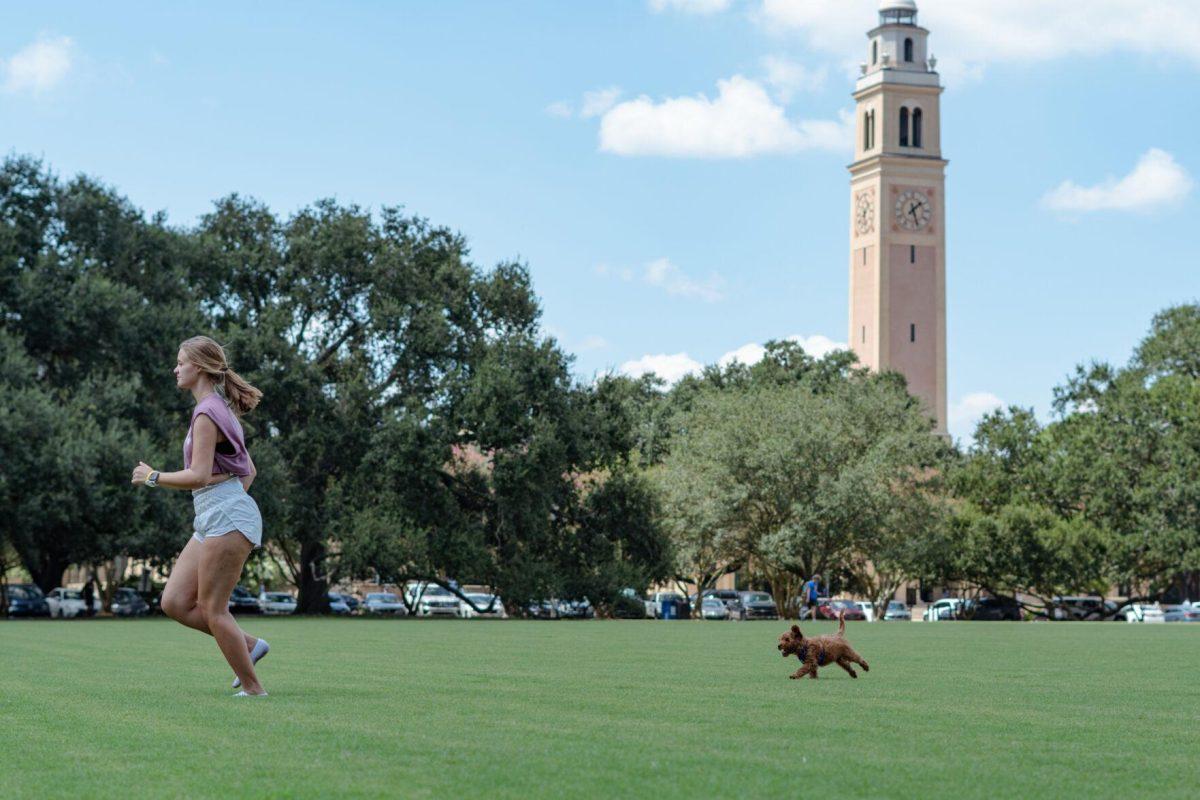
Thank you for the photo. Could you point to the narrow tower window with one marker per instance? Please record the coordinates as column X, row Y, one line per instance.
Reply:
column 916, row 127
column 904, row 127
column 912, row 254
column 908, row 50
column 864, row 334
column 875, row 52
column 867, row 130
column 912, row 332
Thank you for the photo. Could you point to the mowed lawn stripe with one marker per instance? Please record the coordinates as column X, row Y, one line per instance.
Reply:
column 419, row 708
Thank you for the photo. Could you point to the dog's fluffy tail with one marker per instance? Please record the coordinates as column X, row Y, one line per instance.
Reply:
column 842, row 622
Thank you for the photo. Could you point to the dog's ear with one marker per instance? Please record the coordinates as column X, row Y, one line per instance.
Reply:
column 796, row 629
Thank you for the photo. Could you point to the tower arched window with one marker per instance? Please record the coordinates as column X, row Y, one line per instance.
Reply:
column 908, row 50
column 916, row 127
column 866, row 130
column 872, row 128
column 904, row 126
column 875, row 52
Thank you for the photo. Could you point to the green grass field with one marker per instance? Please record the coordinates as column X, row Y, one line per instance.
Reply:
column 385, row 708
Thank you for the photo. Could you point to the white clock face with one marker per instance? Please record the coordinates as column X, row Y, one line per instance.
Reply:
column 864, row 212
column 913, row 210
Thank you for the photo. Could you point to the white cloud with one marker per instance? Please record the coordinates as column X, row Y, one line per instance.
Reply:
column 741, row 121
column 968, row 36
column 690, row 6
column 665, row 275
column 1157, row 180
column 560, row 109
column 788, row 78
column 748, row 354
column 668, row 367
column 965, row 414
column 817, row 346
column 597, row 102
column 39, row 66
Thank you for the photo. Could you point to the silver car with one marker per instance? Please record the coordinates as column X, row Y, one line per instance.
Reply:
column 713, row 608
column 384, row 603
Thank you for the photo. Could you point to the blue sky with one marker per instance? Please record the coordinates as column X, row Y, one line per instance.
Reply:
column 673, row 171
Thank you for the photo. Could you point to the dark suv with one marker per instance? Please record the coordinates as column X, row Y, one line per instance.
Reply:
column 27, row 600
column 128, row 603
column 991, row 609
column 242, row 602
column 756, row 605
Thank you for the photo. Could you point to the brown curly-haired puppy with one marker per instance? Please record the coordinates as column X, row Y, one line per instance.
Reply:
column 821, row 650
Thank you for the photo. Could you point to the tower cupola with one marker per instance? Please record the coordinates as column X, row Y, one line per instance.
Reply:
column 898, row 12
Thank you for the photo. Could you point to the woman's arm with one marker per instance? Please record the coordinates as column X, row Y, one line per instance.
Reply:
column 199, row 474
column 248, row 479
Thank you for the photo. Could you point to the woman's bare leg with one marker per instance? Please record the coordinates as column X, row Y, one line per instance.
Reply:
column 221, row 562
column 180, row 596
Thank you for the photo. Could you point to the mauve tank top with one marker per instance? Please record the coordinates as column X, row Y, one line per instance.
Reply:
column 230, row 456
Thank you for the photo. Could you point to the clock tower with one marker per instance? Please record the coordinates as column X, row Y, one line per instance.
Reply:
column 897, row 210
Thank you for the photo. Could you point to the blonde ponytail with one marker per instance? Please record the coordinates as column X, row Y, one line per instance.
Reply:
column 209, row 357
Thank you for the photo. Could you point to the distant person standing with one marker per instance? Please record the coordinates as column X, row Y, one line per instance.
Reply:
column 218, row 470
column 89, row 598
column 810, row 594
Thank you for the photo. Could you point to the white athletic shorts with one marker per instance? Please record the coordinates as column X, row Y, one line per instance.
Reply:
column 225, row 507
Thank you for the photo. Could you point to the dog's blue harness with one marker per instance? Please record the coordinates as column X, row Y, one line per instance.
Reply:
column 820, row 655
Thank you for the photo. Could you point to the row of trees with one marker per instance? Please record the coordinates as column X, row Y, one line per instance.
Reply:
column 417, row 424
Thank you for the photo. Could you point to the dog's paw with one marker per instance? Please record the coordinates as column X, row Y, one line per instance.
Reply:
column 865, row 667
column 853, row 674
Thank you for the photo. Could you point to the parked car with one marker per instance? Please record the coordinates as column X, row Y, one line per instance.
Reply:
column 896, row 611
column 277, row 603
column 1144, row 612
column 756, row 605
column 833, row 609
column 337, row 605
column 1082, row 608
column 27, row 600
column 128, row 603
column 542, row 609
column 628, row 605
column 66, row 603
column 352, row 601
column 1182, row 612
column 575, row 609
column 491, row 607
column 431, row 600
column 941, row 610
column 384, row 603
column 867, row 608
column 242, row 601
column 729, row 597
column 713, row 608
column 990, row 609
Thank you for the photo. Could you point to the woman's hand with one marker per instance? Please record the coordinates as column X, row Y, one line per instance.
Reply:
column 141, row 472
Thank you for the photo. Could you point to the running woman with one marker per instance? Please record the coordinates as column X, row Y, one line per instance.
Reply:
column 218, row 470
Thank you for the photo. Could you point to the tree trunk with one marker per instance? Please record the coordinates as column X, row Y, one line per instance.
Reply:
column 314, row 583
column 48, row 572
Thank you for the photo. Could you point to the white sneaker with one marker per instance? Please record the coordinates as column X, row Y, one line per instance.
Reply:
column 261, row 648
column 244, row 693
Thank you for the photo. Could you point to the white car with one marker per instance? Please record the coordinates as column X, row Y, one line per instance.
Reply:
column 482, row 601
column 946, row 608
column 277, row 603
column 384, row 603
column 1144, row 612
column 868, row 609
column 431, row 600
column 65, row 603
